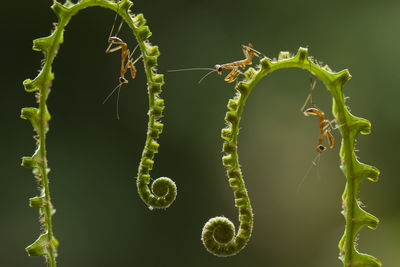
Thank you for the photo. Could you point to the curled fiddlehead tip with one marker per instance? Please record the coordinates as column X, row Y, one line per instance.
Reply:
column 218, row 233
column 164, row 192
column 164, row 188
column 218, row 237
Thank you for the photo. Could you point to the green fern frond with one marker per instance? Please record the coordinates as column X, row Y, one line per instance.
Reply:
column 163, row 188
column 219, row 233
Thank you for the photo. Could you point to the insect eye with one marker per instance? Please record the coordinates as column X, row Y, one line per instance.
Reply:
column 321, row 148
column 218, row 68
column 122, row 80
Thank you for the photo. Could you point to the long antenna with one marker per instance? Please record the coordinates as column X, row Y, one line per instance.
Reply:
column 190, row 69
column 112, row 92
column 118, row 92
column 206, row 76
column 315, row 163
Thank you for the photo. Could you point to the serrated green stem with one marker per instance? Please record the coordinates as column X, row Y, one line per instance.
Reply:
column 164, row 188
column 45, row 182
column 218, row 234
column 355, row 172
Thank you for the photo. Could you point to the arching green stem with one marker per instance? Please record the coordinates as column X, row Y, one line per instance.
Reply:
column 219, row 233
column 164, row 188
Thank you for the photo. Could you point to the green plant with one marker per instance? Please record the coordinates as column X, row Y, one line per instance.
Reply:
column 164, row 189
column 219, row 233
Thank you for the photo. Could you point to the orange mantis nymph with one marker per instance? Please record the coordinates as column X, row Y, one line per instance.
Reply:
column 249, row 54
column 126, row 55
column 324, row 125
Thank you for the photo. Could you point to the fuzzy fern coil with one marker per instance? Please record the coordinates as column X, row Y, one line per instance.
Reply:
column 164, row 188
column 219, row 234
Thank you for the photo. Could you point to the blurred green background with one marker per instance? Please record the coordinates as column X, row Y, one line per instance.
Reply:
column 100, row 219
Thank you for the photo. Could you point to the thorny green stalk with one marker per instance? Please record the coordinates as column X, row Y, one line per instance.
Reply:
column 164, row 188
column 219, row 233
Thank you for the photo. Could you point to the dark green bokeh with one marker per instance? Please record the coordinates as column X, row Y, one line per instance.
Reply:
column 100, row 219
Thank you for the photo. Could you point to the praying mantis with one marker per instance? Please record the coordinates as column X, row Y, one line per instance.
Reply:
column 126, row 55
column 249, row 53
column 325, row 126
